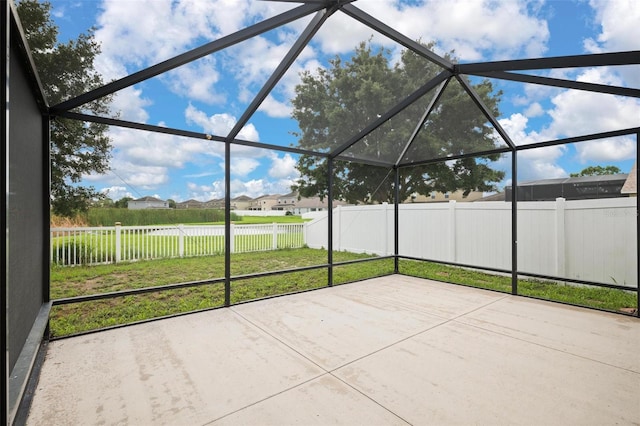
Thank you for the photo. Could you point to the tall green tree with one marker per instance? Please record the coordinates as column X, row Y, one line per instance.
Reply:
column 67, row 70
column 597, row 171
column 331, row 104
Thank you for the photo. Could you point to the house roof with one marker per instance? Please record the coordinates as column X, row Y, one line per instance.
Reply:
column 241, row 198
column 268, row 197
column 579, row 179
column 631, row 184
column 498, row 196
column 315, row 202
column 149, row 199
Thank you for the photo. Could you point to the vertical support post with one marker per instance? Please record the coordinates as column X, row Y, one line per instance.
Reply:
column 274, row 240
column 232, row 238
column 330, row 221
column 337, row 224
column 452, row 230
column 637, row 227
column 385, row 217
column 227, row 223
column 305, row 227
column 560, row 237
column 396, row 220
column 181, row 240
column 46, row 208
column 118, row 230
column 4, row 262
column 514, row 222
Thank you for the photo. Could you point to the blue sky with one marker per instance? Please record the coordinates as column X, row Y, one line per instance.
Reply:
column 209, row 95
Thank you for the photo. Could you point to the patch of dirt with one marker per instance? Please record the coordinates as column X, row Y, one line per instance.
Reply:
column 443, row 274
column 92, row 284
column 66, row 222
column 631, row 311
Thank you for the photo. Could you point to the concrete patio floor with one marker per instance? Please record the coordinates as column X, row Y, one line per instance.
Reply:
column 391, row 350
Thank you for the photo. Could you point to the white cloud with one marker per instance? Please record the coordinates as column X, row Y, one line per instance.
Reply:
column 158, row 149
column 219, row 124
column 540, row 163
column 116, row 192
column 275, row 108
column 577, row 112
column 516, row 127
column 196, row 81
column 475, row 29
column 534, row 110
column 242, row 166
column 619, row 31
column 251, row 187
column 129, row 104
column 283, row 167
column 606, row 150
column 138, row 178
column 533, row 164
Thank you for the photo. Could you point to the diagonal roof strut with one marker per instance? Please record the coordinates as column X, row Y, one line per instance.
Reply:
column 395, row 35
column 557, row 82
column 192, row 55
column 296, row 49
column 395, row 110
column 423, row 119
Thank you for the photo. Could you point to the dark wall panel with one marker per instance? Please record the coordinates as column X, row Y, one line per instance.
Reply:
column 26, row 207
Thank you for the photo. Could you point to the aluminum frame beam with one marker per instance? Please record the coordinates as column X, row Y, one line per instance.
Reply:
column 184, row 133
column 480, row 104
column 557, row 82
column 192, row 55
column 423, row 119
column 396, row 109
column 396, row 36
column 301, row 42
column 573, row 61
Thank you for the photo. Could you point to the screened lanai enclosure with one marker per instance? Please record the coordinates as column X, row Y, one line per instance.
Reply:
column 414, row 152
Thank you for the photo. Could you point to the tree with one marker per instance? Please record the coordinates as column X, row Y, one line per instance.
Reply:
column 597, row 171
column 330, row 102
column 122, row 203
column 67, row 70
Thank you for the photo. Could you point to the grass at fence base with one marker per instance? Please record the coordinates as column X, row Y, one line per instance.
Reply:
column 75, row 318
column 257, row 288
column 593, row 297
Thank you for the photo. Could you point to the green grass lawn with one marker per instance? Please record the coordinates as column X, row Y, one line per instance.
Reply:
column 86, row 280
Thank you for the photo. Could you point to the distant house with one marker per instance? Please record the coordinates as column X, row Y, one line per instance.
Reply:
column 241, row 202
column 190, row 204
column 630, row 186
column 216, row 203
column 440, row 197
column 286, row 202
column 147, row 203
column 571, row 188
column 314, row 204
column 264, row 203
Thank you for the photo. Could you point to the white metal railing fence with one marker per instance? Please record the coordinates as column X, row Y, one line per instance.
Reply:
column 112, row 244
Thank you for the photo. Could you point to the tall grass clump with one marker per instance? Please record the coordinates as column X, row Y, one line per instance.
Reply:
column 109, row 216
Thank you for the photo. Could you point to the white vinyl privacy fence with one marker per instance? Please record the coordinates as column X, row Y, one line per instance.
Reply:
column 592, row 240
column 111, row 244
